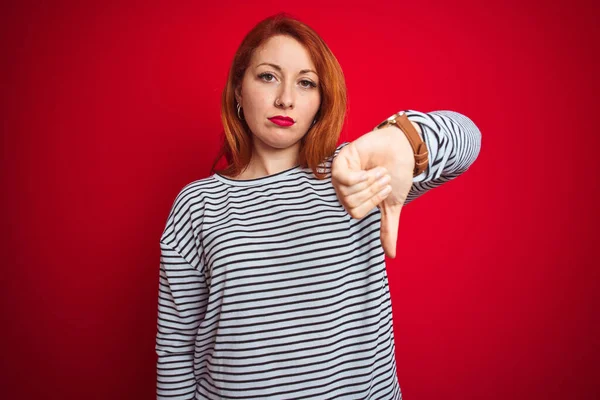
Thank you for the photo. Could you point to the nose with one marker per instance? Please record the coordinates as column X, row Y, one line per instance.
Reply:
column 285, row 97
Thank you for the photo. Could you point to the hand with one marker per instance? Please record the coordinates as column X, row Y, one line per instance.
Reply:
column 382, row 151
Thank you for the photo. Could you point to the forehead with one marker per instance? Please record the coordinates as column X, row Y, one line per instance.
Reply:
column 284, row 51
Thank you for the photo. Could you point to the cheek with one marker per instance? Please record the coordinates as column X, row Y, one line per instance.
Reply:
column 257, row 101
column 312, row 104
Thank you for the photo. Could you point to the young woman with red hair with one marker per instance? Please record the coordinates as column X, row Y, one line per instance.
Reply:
column 272, row 275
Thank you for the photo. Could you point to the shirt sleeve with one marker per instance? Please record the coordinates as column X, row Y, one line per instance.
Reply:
column 453, row 142
column 182, row 300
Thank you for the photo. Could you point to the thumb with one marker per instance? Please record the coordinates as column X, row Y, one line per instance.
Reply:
column 390, row 220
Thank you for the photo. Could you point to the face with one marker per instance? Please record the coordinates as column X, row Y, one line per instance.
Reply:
column 280, row 80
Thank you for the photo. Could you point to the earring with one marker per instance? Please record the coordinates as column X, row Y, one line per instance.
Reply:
column 238, row 112
column 314, row 120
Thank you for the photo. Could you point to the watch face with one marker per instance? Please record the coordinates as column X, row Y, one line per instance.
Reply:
column 381, row 125
column 391, row 120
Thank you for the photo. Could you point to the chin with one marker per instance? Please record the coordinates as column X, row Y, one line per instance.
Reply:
column 278, row 142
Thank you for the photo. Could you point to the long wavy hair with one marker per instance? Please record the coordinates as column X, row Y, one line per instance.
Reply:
column 320, row 141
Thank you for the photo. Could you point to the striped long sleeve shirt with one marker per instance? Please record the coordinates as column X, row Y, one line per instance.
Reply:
column 268, row 289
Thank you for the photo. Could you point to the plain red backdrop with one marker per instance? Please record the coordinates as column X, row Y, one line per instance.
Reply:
column 109, row 109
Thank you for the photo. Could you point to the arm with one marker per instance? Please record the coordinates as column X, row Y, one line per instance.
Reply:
column 452, row 147
column 182, row 299
column 181, row 308
column 453, row 142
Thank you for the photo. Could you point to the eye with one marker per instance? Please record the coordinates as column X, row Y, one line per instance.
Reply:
column 305, row 83
column 308, row 85
column 264, row 75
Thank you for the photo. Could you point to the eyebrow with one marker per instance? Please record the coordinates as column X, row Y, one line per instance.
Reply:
column 278, row 68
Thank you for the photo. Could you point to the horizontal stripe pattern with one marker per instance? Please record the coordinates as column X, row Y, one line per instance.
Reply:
column 268, row 289
column 453, row 142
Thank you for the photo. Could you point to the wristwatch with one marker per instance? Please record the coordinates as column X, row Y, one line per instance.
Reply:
column 401, row 121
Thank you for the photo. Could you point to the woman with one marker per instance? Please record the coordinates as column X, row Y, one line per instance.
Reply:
column 272, row 276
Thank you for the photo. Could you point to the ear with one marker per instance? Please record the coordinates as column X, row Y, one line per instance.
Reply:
column 238, row 95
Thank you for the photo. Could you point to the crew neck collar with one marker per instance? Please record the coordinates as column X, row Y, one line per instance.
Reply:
column 257, row 181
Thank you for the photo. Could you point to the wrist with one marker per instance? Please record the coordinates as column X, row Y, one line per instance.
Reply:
column 413, row 133
column 398, row 143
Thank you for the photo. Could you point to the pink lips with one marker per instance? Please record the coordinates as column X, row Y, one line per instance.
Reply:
column 282, row 121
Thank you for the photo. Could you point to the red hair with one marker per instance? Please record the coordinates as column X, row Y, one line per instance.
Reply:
column 320, row 141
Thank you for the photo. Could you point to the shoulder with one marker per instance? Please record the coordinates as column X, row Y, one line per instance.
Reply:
column 187, row 211
column 193, row 192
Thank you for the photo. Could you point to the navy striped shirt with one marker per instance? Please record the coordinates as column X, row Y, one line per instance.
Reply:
column 270, row 290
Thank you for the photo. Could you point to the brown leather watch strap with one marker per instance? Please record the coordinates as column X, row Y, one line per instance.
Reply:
column 401, row 121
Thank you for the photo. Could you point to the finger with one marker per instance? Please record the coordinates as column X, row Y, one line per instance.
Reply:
column 363, row 209
column 356, row 199
column 349, row 178
column 372, row 175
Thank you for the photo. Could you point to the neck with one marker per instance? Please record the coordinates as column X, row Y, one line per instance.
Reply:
column 269, row 161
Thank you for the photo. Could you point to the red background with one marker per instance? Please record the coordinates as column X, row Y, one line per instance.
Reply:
column 108, row 110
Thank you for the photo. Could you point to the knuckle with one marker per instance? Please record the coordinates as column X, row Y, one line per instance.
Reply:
column 373, row 190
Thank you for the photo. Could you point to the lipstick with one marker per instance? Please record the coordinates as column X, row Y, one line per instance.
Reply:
column 282, row 121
